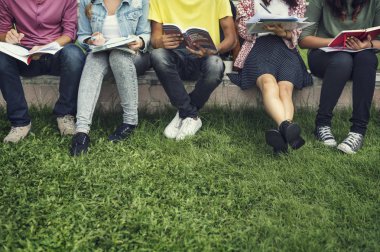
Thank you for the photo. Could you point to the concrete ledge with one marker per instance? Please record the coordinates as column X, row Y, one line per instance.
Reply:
column 43, row 91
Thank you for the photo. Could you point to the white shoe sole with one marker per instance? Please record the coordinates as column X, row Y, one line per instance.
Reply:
column 330, row 143
column 346, row 149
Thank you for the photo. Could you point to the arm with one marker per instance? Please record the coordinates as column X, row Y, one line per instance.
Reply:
column 143, row 27
column 245, row 10
column 69, row 23
column 230, row 39
column 7, row 34
column 159, row 40
column 84, row 26
column 308, row 38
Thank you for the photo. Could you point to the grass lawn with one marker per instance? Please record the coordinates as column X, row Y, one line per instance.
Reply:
column 220, row 191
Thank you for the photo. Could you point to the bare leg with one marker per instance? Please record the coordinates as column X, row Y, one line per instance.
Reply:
column 286, row 92
column 271, row 97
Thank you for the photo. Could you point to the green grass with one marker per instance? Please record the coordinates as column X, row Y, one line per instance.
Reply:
column 220, row 191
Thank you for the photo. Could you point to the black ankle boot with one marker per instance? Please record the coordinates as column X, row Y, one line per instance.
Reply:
column 292, row 134
column 274, row 139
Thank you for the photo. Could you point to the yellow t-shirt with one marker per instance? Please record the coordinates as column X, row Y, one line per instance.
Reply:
column 191, row 13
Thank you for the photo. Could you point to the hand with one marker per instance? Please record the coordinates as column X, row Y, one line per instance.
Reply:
column 171, row 41
column 38, row 55
column 201, row 52
column 136, row 45
column 13, row 37
column 96, row 39
column 355, row 43
column 276, row 29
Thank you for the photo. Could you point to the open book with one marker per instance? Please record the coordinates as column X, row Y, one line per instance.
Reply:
column 256, row 23
column 193, row 35
column 116, row 43
column 25, row 55
column 341, row 38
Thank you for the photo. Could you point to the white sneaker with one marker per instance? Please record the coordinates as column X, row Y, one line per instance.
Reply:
column 66, row 125
column 171, row 131
column 352, row 143
column 17, row 133
column 189, row 127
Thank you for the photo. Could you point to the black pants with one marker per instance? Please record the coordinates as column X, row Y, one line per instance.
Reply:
column 336, row 69
column 173, row 66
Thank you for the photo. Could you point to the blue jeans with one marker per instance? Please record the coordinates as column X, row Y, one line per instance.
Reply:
column 67, row 63
column 173, row 66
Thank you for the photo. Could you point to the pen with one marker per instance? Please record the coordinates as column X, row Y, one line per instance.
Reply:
column 265, row 8
column 15, row 28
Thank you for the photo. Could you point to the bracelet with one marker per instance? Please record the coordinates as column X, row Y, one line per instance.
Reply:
column 371, row 43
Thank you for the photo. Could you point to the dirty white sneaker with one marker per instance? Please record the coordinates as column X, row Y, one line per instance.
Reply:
column 189, row 127
column 17, row 133
column 66, row 125
column 171, row 131
column 352, row 143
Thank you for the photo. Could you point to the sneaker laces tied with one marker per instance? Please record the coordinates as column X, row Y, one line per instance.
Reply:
column 325, row 133
column 353, row 139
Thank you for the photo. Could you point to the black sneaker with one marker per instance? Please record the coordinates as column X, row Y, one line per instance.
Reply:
column 274, row 139
column 292, row 134
column 324, row 135
column 79, row 144
column 352, row 143
column 122, row 132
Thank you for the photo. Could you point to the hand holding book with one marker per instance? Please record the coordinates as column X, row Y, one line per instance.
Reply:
column 356, row 44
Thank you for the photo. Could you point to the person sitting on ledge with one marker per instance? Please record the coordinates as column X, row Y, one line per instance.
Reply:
column 271, row 61
column 174, row 63
column 336, row 68
column 33, row 24
column 100, row 21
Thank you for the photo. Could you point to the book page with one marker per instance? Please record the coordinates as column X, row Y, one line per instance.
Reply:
column 15, row 49
column 114, row 43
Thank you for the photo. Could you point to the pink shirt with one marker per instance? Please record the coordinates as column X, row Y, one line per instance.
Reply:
column 42, row 21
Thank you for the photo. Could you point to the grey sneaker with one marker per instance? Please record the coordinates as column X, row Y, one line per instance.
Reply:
column 189, row 127
column 352, row 143
column 324, row 135
column 17, row 133
column 66, row 125
column 171, row 131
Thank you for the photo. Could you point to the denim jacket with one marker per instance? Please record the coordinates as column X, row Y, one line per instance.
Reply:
column 132, row 17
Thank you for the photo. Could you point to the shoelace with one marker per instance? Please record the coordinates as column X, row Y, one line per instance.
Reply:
column 353, row 139
column 325, row 133
column 185, row 123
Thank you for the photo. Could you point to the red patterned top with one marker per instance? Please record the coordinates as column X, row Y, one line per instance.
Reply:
column 246, row 10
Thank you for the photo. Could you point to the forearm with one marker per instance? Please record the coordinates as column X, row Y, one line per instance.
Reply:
column 63, row 40
column 156, row 41
column 227, row 44
column 376, row 44
column 312, row 42
column 2, row 37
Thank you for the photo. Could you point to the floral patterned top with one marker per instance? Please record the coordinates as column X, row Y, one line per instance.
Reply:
column 246, row 10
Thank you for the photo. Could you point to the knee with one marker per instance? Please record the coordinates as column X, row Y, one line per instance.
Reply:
column 161, row 57
column 342, row 61
column 286, row 91
column 142, row 63
column 366, row 58
column 72, row 56
column 213, row 67
column 267, row 83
